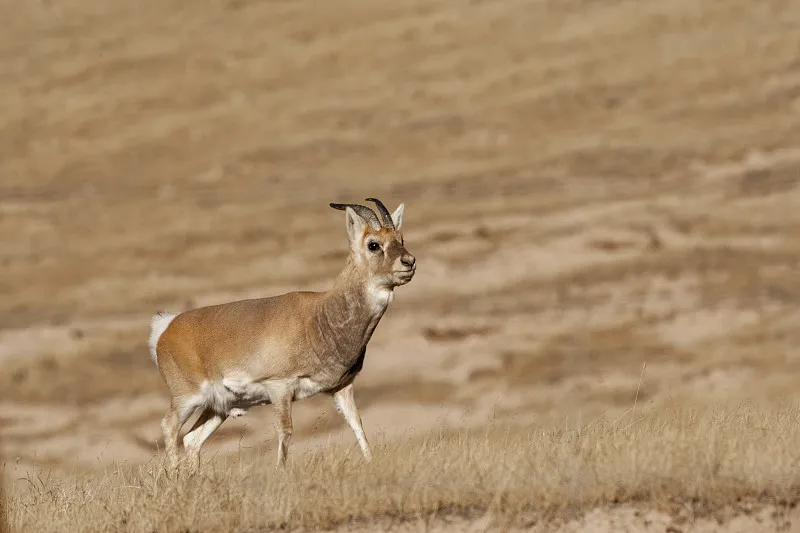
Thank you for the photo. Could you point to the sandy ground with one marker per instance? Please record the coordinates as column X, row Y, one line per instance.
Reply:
column 590, row 187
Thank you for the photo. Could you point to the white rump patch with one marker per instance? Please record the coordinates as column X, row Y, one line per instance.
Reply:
column 158, row 325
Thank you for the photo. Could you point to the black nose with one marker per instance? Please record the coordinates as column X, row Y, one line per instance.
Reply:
column 408, row 261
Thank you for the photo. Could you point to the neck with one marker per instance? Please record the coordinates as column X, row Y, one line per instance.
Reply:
column 350, row 312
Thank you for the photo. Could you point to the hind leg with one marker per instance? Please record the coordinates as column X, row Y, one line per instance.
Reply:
column 207, row 424
column 178, row 414
column 201, row 420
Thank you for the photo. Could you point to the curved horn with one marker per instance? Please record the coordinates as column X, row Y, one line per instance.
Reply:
column 386, row 216
column 363, row 211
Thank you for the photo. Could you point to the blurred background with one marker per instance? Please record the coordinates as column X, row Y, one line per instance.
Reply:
column 589, row 186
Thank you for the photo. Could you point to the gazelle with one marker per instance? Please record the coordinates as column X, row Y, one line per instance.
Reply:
column 223, row 359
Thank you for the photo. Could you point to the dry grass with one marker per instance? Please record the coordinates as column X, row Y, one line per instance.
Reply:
column 706, row 459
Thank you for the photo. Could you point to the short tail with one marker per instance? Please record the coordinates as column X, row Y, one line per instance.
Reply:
column 158, row 325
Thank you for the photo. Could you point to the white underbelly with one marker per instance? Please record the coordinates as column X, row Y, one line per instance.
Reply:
column 240, row 393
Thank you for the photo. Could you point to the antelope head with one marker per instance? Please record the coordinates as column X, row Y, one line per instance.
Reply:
column 377, row 249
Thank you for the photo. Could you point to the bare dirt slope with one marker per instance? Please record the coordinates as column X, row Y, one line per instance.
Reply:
column 590, row 186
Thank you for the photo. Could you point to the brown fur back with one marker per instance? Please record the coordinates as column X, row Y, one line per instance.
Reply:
column 262, row 336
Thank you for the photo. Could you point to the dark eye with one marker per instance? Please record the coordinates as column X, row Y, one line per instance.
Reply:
column 373, row 246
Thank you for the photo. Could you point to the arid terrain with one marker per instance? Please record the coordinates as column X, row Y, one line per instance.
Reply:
column 600, row 196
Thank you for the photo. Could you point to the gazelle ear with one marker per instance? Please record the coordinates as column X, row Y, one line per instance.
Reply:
column 354, row 224
column 397, row 216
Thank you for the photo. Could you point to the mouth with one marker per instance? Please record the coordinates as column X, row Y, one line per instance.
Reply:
column 405, row 273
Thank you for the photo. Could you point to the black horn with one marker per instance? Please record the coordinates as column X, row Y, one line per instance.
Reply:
column 363, row 211
column 386, row 216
